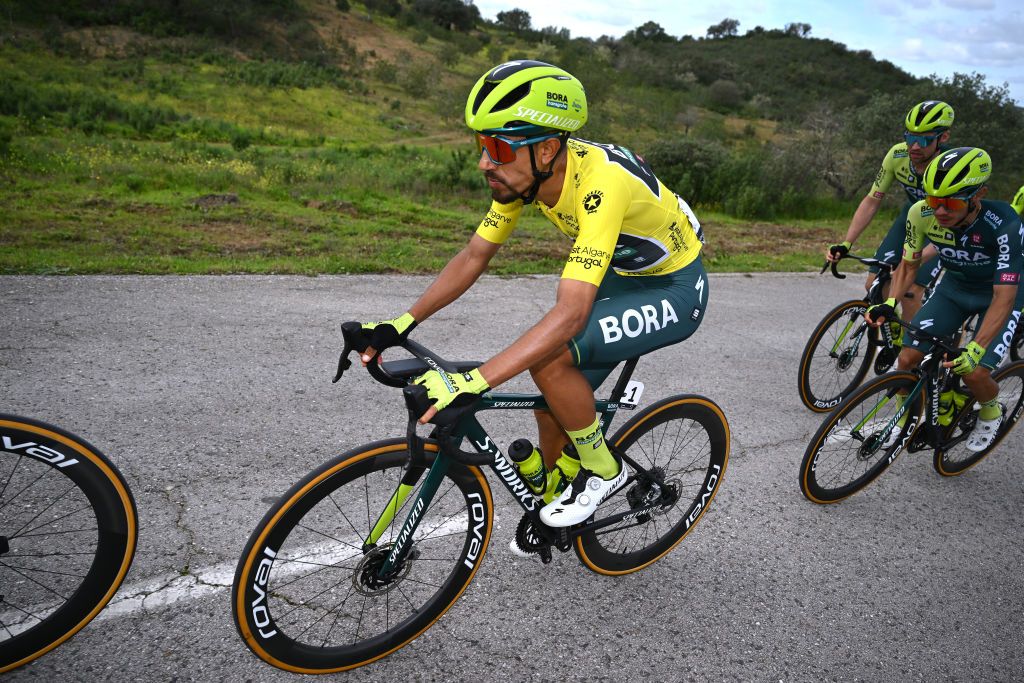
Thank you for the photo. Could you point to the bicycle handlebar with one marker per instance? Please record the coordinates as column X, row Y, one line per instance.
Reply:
column 398, row 374
column 866, row 261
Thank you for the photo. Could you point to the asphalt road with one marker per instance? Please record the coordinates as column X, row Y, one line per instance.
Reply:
column 213, row 395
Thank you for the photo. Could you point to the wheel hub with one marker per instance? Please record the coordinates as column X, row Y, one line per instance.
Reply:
column 367, row 579
column 647, row 491
column 846, row 358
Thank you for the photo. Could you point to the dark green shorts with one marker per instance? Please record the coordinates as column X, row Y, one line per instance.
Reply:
column 636, row 315
column 891, row 250
column 953, row 302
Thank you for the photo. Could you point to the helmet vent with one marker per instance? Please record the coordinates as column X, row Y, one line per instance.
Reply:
column 485, row 90
column 513, row 96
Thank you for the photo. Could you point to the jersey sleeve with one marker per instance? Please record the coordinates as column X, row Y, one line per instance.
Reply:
column 1018, row 201
column 886, row 174
column 500, row 221
column 602, row 207
column 918, row 218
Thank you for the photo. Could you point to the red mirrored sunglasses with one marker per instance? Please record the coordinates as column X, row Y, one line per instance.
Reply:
column 952, row 204
column 501, row 150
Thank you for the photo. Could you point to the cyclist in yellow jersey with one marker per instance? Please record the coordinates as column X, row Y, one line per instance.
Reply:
column 927, row 129
column 633, row 279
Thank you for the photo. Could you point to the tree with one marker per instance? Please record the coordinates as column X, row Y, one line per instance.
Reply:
column 650, row 32
column 725, row 95
column 514, row 20
column 798, row 29
column 454, row 15
column 726, row 27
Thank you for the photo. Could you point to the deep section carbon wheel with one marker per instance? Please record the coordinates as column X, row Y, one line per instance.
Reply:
column 953, row 457
column 837, row 356
column 856, row 442
column 309, row 594
column 68, row 529
column 683, row 442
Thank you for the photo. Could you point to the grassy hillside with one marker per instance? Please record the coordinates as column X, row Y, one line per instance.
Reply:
column 309, row 139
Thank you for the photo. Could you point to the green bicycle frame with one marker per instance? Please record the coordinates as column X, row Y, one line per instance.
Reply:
column 470, row 428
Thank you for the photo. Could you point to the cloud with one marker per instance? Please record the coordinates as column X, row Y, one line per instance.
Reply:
column 969, row 4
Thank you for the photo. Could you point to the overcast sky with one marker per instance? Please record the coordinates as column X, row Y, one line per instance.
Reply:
column 923, row 37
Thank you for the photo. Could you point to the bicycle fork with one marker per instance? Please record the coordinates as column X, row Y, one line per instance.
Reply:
column 872, row 443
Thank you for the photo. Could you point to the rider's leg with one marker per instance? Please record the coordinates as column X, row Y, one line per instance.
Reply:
column 550, row 435
column 981, row 384
column 571, row 400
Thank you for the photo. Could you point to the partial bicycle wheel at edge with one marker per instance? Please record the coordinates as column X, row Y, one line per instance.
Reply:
column 685, row 440
column 950, row 461
column 836, row 358
column 68, row 529
column 307, row 596
column 848, row 451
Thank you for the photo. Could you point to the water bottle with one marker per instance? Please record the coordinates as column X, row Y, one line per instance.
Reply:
column 564, row 471
column 530, row 464
column 946, row 408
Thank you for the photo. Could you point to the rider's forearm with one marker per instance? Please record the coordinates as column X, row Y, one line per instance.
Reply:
column 549, row 335
column 862, row 217
column 462, row 271
column 995, row 317
column 902, row 278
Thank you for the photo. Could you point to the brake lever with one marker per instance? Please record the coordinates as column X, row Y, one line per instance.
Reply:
column 343, row 361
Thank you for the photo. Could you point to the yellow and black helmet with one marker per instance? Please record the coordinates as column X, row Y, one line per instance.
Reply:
column 957, row 172
column 931, row 115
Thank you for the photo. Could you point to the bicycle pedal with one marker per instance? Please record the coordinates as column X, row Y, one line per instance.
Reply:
column 562, row 542
column 545, row 555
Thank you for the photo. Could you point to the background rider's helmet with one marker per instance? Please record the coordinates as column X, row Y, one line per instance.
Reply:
column 957, row 171
column 526, row 98
column 932, row 115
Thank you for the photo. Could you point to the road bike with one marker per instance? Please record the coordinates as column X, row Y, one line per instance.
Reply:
column 838, row 354
column 861, row 437
column 371, row 548
column 68, row 530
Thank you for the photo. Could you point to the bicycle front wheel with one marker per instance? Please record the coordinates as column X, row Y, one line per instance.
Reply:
column 953, row 457
column 684, row 440
column 853, row 445
column 837, row 356
column 308, row 596
column 68, row 528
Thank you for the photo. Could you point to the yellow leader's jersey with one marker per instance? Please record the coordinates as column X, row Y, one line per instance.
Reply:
column 616, row 211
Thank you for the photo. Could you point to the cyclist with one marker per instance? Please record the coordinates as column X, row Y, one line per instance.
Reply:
column 927, row 129
column 980, row 245
column 633, row 280
column 1018, row 201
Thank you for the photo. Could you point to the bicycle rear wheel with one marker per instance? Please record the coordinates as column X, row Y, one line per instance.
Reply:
column 836, row 358
column 847, row 452
column 953, row 457
column 68, row 528
column 307, row 596
column 685, row 441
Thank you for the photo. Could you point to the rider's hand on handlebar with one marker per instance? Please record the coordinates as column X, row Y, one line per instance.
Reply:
column 385, row 333
column 454, row 389
column 965, row 363
column 837, row 251
column 879, row 313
